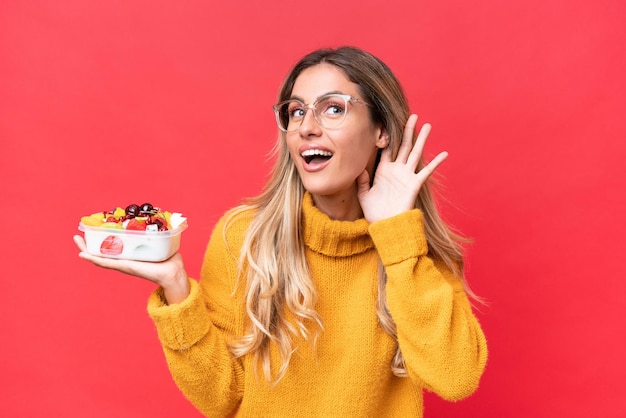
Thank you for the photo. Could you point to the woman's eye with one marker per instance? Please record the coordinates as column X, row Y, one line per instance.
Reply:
column 335, row 109
column 332, row 109
column 295, row 111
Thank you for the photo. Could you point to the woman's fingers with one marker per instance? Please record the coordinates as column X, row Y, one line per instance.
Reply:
column 417, row 149
column 80, row 242
column 430, row 168
column 407, row 140
column 410, row 153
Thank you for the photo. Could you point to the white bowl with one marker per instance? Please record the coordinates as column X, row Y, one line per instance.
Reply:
column 130, row 244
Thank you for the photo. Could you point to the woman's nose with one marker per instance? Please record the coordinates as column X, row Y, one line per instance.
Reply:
column 309, row 125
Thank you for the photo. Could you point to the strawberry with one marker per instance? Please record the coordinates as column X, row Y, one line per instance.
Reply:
column 112, row 245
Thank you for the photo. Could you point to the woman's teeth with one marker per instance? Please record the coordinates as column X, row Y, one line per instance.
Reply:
column 311, row 154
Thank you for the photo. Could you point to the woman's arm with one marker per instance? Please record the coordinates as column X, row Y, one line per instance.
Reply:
column 195, row 332
column 194, row 322
column 442, row 342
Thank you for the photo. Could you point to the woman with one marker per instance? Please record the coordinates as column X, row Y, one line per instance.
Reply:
column 338, row 291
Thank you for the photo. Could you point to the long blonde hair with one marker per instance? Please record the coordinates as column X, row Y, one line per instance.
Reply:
column 280, row 293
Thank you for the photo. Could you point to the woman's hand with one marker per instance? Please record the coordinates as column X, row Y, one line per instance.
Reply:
column 396, row 183
column 169, row 274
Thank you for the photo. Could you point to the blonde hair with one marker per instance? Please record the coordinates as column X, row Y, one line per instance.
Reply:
column 280, row 294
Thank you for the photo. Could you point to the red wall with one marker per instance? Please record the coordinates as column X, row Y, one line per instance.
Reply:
column 105, row 103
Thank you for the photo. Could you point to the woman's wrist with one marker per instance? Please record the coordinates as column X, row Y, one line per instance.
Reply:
column 177, row 289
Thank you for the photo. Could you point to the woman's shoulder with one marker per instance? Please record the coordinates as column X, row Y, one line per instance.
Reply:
column 231, row 228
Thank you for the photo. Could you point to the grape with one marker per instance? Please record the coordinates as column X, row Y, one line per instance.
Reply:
column 146, row 209
column 159, row 222
column 132, row 210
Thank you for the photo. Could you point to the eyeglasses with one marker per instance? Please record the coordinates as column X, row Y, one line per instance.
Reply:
column 329, row 111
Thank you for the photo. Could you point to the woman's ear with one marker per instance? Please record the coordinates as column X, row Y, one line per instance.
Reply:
column 383, row 138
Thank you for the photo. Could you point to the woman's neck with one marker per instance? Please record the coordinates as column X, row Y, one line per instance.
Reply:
column 340, row 207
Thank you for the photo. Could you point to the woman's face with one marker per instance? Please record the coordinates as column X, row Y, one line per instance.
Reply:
column 329, row 160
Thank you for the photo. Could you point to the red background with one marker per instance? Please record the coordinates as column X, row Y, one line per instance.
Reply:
column 112, row 102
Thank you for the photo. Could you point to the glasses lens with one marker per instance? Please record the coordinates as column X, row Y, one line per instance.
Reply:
column 289, row 115
column 331, row 110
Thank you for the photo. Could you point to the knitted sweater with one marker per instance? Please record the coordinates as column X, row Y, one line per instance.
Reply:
column 349, row 372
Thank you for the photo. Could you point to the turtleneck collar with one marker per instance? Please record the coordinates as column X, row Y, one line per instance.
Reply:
column 330, row 237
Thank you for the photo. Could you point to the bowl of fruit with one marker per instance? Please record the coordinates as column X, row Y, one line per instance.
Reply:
column 136, row 232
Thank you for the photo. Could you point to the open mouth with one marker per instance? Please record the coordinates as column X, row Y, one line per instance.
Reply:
column 316, row 156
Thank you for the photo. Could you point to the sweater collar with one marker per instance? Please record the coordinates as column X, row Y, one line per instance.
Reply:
column 330, row 237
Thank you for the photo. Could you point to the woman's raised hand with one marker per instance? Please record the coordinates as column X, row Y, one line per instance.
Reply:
column 397, row 183
column 169, row 274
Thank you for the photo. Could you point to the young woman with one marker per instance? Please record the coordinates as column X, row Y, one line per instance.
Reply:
column 338, row 291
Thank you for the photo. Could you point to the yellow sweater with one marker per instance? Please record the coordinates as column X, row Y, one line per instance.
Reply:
column 349, row 373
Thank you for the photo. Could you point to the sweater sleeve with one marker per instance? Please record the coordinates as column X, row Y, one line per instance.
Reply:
column 442, row 343
column 195, row 332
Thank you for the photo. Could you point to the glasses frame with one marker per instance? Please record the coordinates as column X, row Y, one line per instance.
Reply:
column 346, row 97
